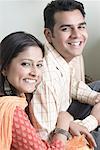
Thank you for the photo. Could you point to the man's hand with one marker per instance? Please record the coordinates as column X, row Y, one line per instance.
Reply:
column 63, row 120
column 76, row 129
column 97, row 99
column 96, row 112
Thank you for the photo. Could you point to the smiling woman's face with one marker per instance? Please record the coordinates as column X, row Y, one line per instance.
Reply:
column 25, row 71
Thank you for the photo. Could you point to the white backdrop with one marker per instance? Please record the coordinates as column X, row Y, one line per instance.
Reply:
column 27, row 15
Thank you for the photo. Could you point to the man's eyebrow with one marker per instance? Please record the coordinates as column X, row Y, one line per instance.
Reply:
column 83, row 23
column 70, row 25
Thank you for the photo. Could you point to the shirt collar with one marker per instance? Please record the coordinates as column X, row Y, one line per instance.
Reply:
column 49, row 49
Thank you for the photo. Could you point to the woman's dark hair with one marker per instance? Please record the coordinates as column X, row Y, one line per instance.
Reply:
column 11, row 46
column 58, row 6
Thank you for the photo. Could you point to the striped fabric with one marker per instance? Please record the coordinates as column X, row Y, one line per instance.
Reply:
column 59, row 85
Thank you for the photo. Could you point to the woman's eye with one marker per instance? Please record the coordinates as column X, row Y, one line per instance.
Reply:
column 39, row 65
column 26, row 64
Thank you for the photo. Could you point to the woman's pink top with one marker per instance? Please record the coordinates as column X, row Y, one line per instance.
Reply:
column 24, row 136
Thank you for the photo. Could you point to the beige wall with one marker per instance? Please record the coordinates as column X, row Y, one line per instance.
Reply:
column 27, row 15
column 92, row 50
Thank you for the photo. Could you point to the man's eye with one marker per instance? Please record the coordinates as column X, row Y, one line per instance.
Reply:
column 82, row 27
column 66, row 29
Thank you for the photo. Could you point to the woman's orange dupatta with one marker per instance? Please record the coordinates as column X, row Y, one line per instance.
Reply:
column 78, row 143
column 7, row 107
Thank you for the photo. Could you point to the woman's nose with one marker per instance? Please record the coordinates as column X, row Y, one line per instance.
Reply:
column 34, row 71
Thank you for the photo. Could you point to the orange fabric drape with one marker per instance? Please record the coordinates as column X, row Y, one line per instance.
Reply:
column 7, row 107
column 78, row 143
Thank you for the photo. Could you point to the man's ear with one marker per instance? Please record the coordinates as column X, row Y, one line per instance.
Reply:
column 48, row 35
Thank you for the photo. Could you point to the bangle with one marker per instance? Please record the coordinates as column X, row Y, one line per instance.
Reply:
column 62, row 131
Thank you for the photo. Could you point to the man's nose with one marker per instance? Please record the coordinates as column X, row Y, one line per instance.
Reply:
column 75, row 33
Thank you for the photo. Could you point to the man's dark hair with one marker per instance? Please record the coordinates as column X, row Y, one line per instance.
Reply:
column 57, row 6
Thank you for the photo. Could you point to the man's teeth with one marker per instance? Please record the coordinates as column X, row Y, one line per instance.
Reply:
column 75, row 43
column 30, row 81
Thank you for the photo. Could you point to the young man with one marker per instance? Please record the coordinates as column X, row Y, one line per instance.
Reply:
column 66, row 34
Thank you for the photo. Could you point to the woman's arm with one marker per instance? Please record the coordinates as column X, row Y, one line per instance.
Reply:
column 24, row 135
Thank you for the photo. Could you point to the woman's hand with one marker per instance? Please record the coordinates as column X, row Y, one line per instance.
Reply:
column 77, row 129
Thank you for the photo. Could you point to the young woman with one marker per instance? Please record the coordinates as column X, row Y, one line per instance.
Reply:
column 21, row 63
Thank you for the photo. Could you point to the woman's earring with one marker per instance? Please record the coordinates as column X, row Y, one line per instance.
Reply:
column 35, row 90
column 7, row 88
